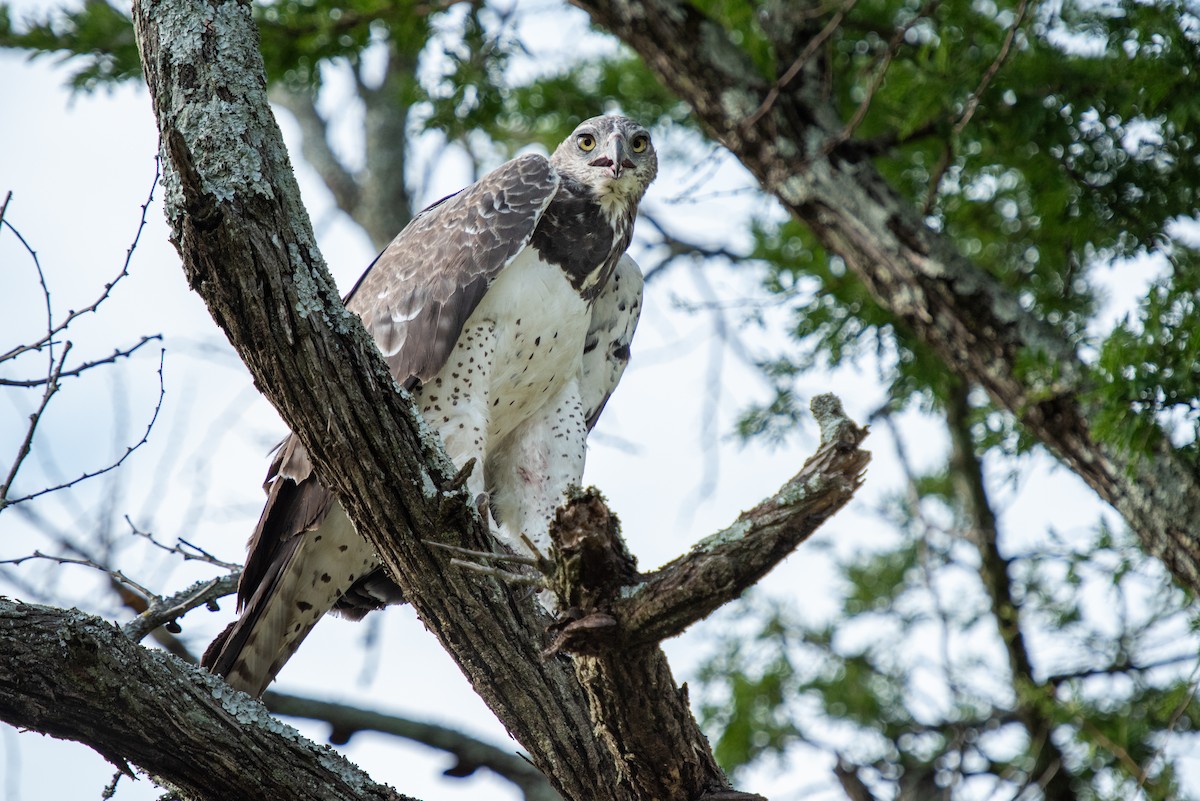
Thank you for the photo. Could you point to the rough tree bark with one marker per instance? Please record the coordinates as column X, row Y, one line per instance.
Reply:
column 598, row 711
column 789, row 135
column 78, row 677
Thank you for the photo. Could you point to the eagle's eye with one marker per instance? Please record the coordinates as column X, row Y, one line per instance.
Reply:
column 640, row 143
column 587, row 142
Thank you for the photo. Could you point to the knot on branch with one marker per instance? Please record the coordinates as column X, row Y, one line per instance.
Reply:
column 591, row 566
column 837, row 429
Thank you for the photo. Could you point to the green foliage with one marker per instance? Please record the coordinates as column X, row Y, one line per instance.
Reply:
column 298, row 36
column 96, row 39
column 1042, row 162
column 908, row 680
column 1151, row 366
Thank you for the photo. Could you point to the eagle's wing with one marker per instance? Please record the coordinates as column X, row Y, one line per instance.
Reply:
column 414, row 300
column 615, row 315
column 418, row 294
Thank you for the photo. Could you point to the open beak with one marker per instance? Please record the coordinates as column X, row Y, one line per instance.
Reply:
column 615, row 158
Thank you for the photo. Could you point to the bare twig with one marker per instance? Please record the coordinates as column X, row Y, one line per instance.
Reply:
column 1123, row 666
column 55, row 330
column 512, row 558
column 167, row 610
column 185, row 549
column 113, row 466
column 116, row 575
column 84, row 367
column 702, row 172
column 809, row 51
column 471, row 753
column 27, row 442
column 679, row 248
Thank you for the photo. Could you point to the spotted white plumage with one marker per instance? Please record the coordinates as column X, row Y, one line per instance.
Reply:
column 507, row 309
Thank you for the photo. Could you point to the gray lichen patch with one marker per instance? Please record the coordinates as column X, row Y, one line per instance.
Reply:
column 827, row 409
column 225, row 151
column 725, row 536
column 308, row 296
column 219, row 114
column 795, row 492
column 249, row 711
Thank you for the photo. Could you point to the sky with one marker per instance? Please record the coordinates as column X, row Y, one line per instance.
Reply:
column 79, row 169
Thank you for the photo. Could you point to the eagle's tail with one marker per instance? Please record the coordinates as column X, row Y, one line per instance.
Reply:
column 304, row 556
column 311, row 576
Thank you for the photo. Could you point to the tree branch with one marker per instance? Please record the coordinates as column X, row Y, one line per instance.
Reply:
column 726, row 564
column 472, row 754
column 164, row 611
column 949, row 303
column 967, row 474
column 60, row 671
column 314, row 144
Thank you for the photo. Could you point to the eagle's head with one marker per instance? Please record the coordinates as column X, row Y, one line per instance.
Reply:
column 613, row 156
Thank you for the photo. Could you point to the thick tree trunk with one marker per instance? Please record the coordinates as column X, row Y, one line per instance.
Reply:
column 790, row 137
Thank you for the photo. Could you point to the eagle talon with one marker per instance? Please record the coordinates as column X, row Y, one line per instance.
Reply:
column 514, row 558
column 507, row 576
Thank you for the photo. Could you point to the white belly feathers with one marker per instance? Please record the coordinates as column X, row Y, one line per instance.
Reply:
column 520, row 346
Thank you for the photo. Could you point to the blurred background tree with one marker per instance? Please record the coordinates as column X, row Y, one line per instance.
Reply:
column 964, row 656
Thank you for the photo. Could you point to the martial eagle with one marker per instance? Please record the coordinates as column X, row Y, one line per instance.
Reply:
column 507, row 309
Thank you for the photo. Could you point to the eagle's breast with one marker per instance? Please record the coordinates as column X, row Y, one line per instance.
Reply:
column 528, row 332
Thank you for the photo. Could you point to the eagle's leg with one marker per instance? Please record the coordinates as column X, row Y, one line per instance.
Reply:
column 534, row 466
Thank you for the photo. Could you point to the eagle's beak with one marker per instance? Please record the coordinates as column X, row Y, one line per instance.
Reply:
column 615, row 158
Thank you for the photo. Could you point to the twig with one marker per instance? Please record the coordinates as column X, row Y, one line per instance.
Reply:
column 797, row 65
column 505, row 576
column 128, row 451
column 167, row 610
column 711, row 163
column 471, row 753
column 971, row 106
column 116, row 575
column 679, row 248
column 195, row 554
column 81, row 368
column 1193, row 681
column 27, row 443
column 108, row 288
column 1001, row 57
column 880, row 71
column 512, row 558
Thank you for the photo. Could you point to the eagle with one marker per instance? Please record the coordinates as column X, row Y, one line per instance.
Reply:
column 507, row 309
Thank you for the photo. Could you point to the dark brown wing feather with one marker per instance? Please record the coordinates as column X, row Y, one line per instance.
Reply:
column 414, row 300
column 296, row 503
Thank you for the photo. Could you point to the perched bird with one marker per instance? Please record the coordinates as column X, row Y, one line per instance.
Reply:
column 507, row 309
